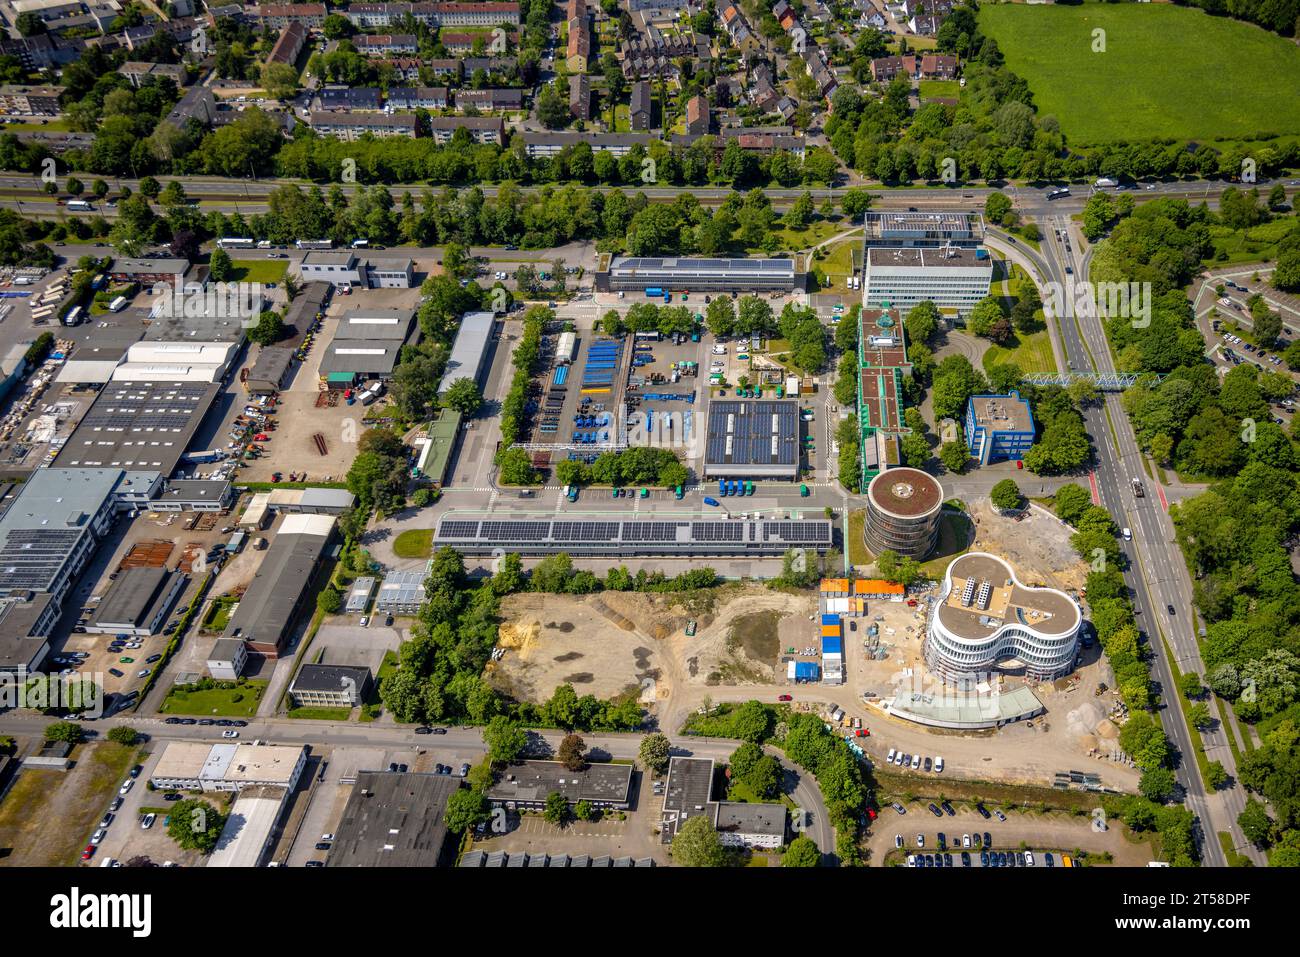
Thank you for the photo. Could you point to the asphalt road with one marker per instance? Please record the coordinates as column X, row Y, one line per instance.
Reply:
column 1157, row 575
column 26, row 194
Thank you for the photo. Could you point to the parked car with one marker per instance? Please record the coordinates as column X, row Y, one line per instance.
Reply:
column 935, row 811
column 88, row 853
column 147, row 821
column 1000, row 816
column 785, row 697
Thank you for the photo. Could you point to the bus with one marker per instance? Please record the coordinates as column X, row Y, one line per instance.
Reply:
column 73, row 317
column 360, row 243
column 1058, row 193
column 79, row 206
column 118, row 304
column 236, row 242
column 315, row 244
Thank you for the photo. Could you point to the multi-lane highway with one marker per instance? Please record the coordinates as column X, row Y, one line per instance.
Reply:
column 27, row 194
column 1157, row 575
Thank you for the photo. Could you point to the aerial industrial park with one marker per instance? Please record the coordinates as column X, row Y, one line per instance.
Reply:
column 649, row 433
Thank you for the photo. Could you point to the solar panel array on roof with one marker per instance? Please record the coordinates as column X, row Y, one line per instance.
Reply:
column 747, row 438
column 638, row 536
column 30, row 558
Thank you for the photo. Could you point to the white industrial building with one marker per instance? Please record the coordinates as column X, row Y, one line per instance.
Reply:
column 196, row 766
column 249, row 828
column 203, row 362
column 986, row 620
column 954, row 278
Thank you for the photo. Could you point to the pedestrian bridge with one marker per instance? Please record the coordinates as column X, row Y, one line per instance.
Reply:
column 1104, row 381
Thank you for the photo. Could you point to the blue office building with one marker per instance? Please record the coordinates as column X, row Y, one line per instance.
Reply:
column 999, row 427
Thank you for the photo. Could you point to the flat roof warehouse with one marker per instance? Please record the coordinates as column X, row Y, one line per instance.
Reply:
column 727, row 275
column 632, row 536
column 753, row 438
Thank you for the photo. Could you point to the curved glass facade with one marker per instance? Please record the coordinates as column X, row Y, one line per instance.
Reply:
column 955, row 657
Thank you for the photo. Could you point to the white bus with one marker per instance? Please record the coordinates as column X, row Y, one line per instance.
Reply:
column 236, row 243
column 118, row 304
column 315, row 244
column 79, row 206
column 73, row 317
column 360, row 243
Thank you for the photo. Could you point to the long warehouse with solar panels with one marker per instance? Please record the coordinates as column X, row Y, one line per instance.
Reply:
column 632, row 536
column 752, row 439
column 658, row 276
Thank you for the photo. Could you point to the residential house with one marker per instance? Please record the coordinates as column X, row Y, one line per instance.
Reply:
column 289, row 46
column 417, row 97
column 481, row 129
column 347, row 125
column 580, row 96
column 697, row 115
column 641, row 105
column 357, row 98
column 387, row 44
column 541, row 145
column 497, row 99
column 279, row 16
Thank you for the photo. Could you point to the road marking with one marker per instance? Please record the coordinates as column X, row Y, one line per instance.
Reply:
column 1096, row 494
column 1164, row 502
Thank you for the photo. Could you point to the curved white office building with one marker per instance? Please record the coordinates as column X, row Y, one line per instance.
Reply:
column 985, row 619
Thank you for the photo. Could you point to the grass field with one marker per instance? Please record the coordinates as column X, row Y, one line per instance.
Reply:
column 217, row 701
column 1032, row 353
column 414, row 543
column 259, row 270
column 1166, row 71
column 948, row 89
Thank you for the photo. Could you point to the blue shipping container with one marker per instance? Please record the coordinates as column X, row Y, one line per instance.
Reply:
column 832, row 646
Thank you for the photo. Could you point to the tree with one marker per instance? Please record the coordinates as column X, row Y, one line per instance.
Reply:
column 1190, row 685
column 802, row 852
column 269, row 329
column 329, row 600
column 654, row 752
column 67, row 731
column 572, row 752
column 751, row 721
column 75, row 186
column 466, row 809
column 1216, row 776
column 220, row 268
column 1255, row 823
column 124, row 735
column 955, row 456
column 505, row 739
column 280, row 80
column 464, row 396
column 1070, row 502
column 1158, row 785
column 1199, row 715
column 1006, row 495
column 30, row 24
column 697, row 844
column 195, row 825
column 556, row 810
column 982, row 318
column 150, row 187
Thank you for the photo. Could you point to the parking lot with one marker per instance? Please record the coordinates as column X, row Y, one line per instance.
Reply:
column 967, row 831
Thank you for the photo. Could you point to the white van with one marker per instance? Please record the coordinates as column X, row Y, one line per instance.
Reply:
column 1128, row 535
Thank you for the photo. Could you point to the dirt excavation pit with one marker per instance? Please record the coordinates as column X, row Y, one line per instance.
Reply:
column 625, row 642
column 1037, row 547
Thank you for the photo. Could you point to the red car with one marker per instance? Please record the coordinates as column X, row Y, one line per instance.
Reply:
column 785, row 697
column 88, row 853
column 863, row 732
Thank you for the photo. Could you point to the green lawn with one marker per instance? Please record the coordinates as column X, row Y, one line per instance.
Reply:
column 220, row 702
column 1166, row 71
column 948, row 89
column 414, row 543
column 1257, row 244
column 1033, row 353
column 321, row 714
column 259, row 270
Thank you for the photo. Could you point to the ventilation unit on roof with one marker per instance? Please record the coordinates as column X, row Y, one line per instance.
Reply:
column 986, row 592
column 968, row 593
